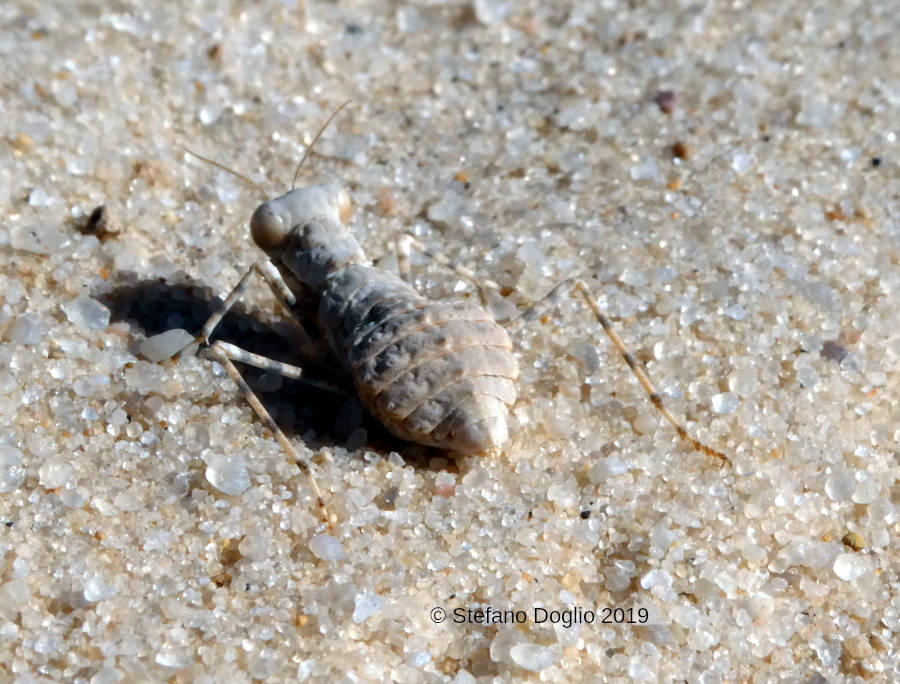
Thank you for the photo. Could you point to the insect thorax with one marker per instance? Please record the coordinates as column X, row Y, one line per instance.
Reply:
column 318, row 248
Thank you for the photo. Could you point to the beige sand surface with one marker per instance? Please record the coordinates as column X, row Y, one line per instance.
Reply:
column 727, row 178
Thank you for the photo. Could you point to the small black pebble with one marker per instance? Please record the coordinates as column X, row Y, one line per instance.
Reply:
column 832, row 351
column 665, row 100
column 876, row 162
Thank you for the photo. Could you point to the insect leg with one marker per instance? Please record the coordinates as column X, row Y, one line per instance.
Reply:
column 461, row 270
column 542, row 306
column 286, row 370
column 273, row 278
column 222, row 353
column 578, row 286
column 402, row 248
column 641, row 375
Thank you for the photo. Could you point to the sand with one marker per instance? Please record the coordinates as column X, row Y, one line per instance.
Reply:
column 725, row 179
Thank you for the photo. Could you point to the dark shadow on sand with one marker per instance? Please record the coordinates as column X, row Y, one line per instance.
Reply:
column 321, row 418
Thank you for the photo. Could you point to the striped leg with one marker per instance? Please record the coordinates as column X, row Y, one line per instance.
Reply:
column 224, row 353
column 574, row 285
column 641, row 375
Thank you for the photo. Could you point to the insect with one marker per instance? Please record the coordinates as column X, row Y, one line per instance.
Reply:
column 440, row 373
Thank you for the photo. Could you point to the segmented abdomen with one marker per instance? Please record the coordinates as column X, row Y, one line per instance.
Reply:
column 434, row 372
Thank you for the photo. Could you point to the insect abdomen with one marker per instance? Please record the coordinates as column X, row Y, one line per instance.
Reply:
column 437, row 373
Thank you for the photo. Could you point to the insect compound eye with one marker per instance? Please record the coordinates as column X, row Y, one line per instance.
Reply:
column 267, row 228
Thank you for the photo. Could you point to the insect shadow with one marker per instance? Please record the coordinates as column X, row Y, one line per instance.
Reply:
column 320, row 417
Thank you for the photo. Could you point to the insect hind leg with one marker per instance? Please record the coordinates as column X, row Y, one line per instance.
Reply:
column 577, row 286
column 641, row 375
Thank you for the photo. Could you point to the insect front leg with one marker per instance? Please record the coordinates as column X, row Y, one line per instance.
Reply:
column 224, row 353
column 285, row 370
column 270, row 274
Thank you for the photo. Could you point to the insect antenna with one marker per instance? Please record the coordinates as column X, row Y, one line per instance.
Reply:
column 234, row 173
column 314, row 141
